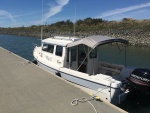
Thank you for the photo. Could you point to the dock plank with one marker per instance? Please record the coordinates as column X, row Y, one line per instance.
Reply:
column 26, row 88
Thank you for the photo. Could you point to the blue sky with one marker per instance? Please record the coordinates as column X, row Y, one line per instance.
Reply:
column 15, row 13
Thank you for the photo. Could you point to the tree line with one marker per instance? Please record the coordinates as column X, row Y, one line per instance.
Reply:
column 87, row 25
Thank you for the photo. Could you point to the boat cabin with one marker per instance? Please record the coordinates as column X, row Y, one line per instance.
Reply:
column 55, row 50
column 77, row 54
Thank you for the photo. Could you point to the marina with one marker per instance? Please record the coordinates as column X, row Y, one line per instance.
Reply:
column 66, row 56
column 27, row 88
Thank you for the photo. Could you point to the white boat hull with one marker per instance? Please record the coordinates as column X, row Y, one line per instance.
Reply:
column 106, row 93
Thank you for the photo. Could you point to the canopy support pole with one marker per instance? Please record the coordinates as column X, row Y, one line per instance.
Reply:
column 84, row 59
column 69, row 58
column 125, row 56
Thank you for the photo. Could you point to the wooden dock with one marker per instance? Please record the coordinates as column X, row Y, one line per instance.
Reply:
column 26, row 88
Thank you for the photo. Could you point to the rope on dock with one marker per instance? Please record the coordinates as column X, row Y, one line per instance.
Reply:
column 82, row 100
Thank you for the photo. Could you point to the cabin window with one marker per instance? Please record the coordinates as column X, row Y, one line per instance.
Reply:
column 93, row 53
column 50, row 48
column 45, row 46
column 82, row 52
column 73, row 53
column 59, row 50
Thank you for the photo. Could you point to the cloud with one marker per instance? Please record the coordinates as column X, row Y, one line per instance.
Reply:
column 54, row 9
column 8, row 15
column 123, row 10
column 26, row 14
column 136, row 14
column 19, row 15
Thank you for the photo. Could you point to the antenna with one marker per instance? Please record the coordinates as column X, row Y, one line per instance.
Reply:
column 42, row 27
column 75, row 21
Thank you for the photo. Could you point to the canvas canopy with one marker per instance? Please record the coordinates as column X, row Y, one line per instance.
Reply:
column 94, row 41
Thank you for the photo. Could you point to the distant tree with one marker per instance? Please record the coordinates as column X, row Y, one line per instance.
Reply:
column 127, row 19
column 68, row 23
column 88, row 21
column 79, row 22
column 97, row 21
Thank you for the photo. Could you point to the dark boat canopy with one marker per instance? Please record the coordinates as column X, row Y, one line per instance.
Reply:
column 94, row 41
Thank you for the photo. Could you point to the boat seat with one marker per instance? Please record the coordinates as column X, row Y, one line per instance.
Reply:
column 109, row 69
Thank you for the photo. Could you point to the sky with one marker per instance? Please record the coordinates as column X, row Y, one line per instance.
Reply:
column 18, row 13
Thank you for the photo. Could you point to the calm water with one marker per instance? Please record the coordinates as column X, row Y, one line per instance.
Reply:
column 20, row 45
column 135, row 56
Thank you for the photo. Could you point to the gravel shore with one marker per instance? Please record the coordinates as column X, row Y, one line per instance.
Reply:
column 135, row 31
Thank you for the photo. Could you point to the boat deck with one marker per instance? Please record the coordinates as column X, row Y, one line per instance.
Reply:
column 26, row 88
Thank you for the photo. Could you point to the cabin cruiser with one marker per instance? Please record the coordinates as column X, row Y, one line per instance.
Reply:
column 77, row 60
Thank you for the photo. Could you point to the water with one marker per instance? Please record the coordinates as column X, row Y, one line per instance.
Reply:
column 20, row 45
column 135, row 56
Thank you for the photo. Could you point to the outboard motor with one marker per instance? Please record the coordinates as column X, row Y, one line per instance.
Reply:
column 139, row 85
column 140, row 80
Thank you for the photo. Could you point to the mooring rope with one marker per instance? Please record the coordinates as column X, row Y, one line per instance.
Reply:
column 82, row 100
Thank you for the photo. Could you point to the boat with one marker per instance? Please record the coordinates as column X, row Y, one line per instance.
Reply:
column 77, row 60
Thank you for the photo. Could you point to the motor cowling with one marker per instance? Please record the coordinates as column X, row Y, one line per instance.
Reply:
column 140, row 80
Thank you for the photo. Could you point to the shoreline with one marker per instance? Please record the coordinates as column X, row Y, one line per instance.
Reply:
column 134, row 38
column 137, row 32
